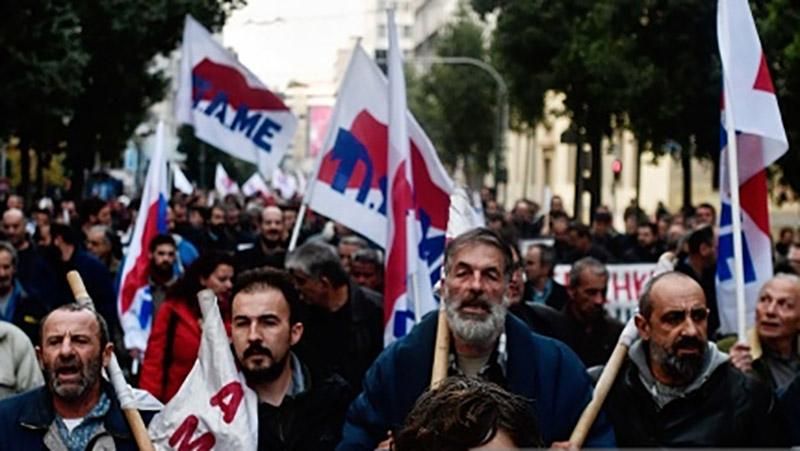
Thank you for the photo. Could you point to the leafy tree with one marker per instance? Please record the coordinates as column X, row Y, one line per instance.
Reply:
column 565, row 46
column 40, row 74
column 456, row 103
column 81, row 72
column 778, row 23
column 649, row 65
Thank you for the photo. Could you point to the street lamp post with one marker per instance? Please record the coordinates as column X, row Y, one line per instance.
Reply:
column 502, row 100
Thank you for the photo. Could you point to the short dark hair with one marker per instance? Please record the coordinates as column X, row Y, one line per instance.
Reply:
column 547, row 256
column 701, row 235
column 65, row 232
column 161, row 238
column 708, row 206
column 104, row 336
column 581, row 229
column 91, row 207
column 266, row 278
column 586, row 263
column 653, row 227
column 480, row 235
column 466, row 412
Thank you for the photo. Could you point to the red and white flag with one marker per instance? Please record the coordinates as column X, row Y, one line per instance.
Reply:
column 214, row 408
column 134, row 305
column 353, row 185
column 223, row 184
column 750, row 101
column 229, row 107
column 255, row 185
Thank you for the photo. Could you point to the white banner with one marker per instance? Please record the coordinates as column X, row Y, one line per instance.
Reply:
column 625, row 283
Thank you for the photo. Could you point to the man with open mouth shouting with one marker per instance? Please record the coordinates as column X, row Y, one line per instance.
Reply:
column 76, row 409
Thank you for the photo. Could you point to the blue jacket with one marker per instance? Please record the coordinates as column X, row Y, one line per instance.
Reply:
column 26, row 418
column 538, row 368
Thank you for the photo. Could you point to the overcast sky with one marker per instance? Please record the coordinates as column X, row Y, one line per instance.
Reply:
column 283, row 40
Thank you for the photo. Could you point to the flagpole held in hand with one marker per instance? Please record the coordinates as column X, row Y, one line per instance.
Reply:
column 121, row 387
column 442, row 348
column 604, row 384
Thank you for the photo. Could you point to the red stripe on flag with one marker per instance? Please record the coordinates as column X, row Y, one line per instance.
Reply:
column 139, row 273
column 230, row 82
column 763, row 80
column 430, row 196
column 753, row 197
column 396, row 270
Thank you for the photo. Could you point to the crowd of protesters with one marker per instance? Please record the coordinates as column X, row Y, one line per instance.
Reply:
column 307, row 327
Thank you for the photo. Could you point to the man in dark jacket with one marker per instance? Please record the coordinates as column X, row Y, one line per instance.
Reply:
column 540, row 288
column 297, row 409
column 344, row 322
column 270, row 248
column 16, row 306
column 589, row 330
column 676, row 389
column 701, row 265
column 486, row 343
column 76, row 409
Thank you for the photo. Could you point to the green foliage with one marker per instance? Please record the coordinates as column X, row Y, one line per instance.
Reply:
column 652, row 63
column 456, row 103
column 778, row 23
column 85, row 69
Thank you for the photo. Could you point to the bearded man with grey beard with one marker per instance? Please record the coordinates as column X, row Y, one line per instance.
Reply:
column 676, row 389
column 486, row 342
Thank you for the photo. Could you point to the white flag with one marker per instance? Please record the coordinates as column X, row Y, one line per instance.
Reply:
column 227, row 105
column 223, row 183
column 214, row 408
column 180, row 181
column 254, row 185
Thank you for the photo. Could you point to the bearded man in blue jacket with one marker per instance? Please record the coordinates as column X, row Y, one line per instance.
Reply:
column 486, row 342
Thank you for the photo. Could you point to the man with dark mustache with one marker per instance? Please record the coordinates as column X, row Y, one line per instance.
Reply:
column 297, row 409
column 270, row 248
column 76, row 409
column 487, row 343
column 676, row 389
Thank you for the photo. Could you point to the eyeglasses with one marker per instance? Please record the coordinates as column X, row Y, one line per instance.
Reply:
column 675, row 317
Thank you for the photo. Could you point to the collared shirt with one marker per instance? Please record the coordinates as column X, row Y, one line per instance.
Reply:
column 79, row 438
column 494, row 370
column 540, row 297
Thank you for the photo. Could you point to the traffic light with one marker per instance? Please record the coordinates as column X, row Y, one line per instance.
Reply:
column 616, row 168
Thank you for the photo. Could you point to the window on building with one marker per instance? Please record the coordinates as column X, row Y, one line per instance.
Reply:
column 406, row 31
column 381, row 31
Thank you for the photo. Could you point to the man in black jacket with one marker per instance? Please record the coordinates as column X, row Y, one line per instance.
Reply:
column 344, row 322
column 676, row 389
column 297, row 409
column 540, row 288
column 270, row 248
column 588, row 328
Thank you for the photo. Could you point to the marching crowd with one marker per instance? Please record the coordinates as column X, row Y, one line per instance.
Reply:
column 307, row 329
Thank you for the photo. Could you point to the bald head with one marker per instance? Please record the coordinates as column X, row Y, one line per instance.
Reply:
column 272, row 226
column 14, row 227
column 669, row 285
